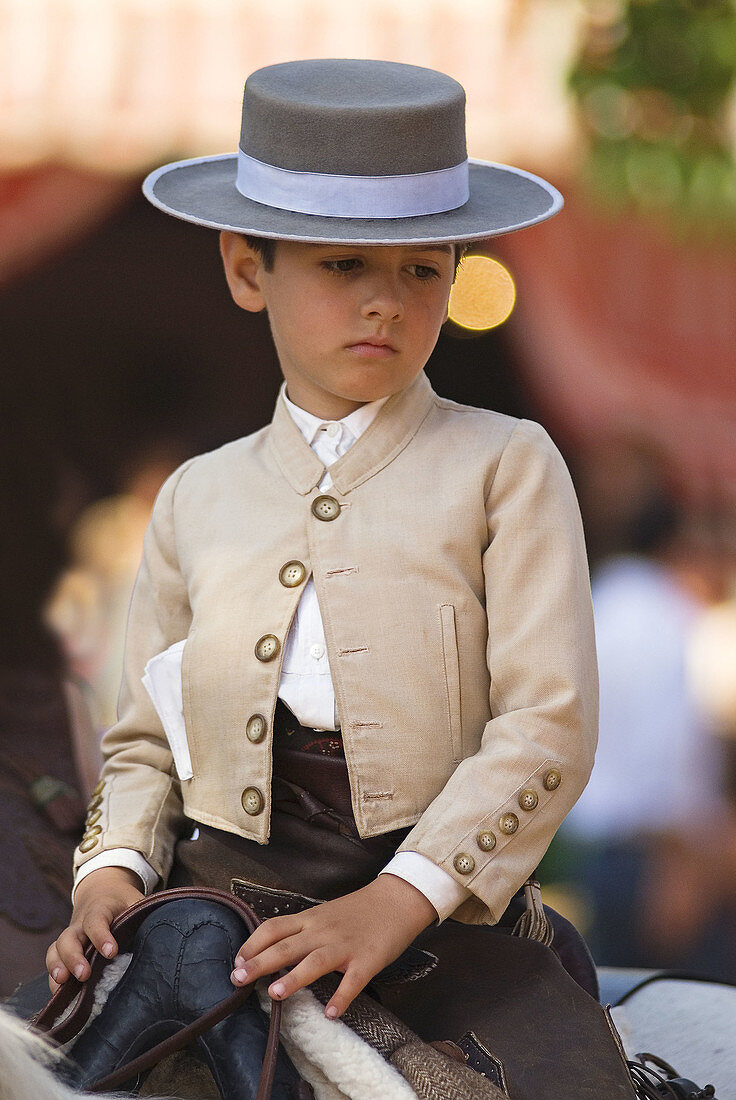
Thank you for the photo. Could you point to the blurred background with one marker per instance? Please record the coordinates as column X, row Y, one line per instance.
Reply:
column 614, row 325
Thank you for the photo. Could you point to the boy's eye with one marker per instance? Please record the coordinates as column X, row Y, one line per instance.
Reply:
column 342, row 267
column 424, row 272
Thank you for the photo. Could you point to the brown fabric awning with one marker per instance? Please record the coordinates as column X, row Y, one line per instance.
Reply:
column 117, row 85
column 627, row 335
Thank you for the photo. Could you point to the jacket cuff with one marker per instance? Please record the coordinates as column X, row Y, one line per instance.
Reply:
column 439, row 888
column 120, row 857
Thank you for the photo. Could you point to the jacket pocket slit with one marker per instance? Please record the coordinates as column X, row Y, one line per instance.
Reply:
column 452, row 678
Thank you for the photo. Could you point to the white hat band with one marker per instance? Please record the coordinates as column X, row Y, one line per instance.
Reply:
column 335, row 196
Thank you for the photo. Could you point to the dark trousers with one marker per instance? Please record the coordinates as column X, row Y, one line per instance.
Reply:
column 314, row 849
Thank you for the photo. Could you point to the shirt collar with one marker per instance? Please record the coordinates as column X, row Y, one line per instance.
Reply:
column 356, row 422
column 387, row 436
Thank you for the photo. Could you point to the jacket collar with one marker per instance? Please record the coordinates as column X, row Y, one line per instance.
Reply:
column 396, row 424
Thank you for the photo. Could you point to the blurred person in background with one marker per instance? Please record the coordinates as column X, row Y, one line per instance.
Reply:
column 652, row 828
column 88, row 609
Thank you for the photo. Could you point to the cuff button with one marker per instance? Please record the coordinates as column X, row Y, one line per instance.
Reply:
column 528, row 800
column 486, row 840
column 88, row 844
column 552, row 780
column 508, row 823
column 463, row 863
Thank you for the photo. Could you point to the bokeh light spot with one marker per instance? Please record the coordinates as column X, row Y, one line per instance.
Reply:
column 483, row 294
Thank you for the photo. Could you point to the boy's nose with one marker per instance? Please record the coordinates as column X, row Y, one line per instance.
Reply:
column 383, row 302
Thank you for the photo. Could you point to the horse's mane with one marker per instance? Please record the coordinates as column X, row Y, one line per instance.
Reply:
column 27, row 1064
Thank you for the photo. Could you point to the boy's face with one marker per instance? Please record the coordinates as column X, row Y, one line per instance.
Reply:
column 350, row 323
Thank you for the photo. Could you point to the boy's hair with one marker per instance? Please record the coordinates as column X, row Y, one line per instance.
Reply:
column 266, row 249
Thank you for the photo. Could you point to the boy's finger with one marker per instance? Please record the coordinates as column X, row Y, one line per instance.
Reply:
column 70, row 946
column 351, row 985
column 97, row 927
column 58, row 973
column 314, row 966
column 267, row 934
column 274, row 958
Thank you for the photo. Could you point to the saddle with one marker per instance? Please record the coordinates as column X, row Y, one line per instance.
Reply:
column 538, row 1034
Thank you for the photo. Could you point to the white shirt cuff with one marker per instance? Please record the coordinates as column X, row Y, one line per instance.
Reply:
column 438, row 887
column 120, row 857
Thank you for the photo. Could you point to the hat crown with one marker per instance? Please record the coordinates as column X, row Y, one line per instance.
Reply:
column 354, row 118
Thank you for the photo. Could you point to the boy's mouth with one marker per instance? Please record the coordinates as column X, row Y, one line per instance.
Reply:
column 373, row 347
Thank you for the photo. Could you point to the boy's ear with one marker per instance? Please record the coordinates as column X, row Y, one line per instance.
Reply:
column 243, row 267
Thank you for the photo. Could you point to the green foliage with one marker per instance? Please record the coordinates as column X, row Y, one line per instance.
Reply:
column 653, row 82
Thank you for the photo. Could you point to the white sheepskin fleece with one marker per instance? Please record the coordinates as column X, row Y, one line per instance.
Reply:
column 331, row 1057
column 109, row 978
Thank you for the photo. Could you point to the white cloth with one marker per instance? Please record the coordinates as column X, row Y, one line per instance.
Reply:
column 162, row 681
column 305, row 685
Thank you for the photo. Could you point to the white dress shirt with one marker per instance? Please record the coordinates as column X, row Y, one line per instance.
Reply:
column 306, row 683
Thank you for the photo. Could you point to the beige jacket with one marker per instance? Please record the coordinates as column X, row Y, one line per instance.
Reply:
column 453, row 587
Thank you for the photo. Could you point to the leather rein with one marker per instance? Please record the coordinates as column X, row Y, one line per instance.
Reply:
column 124, row 928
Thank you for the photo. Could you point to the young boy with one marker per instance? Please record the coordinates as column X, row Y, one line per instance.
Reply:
column 382, row 597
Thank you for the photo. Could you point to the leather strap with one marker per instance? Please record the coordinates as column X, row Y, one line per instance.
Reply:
column 124, row 928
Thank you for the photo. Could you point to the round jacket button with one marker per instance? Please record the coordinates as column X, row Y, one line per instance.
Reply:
column 252, row 801
column 95, row 802
column 463, row 863
column 486, row 840
column 255, row 728
column 88, row 844
column 99, row 788
column 92, row 830
column 508, row 823
column 552, row 780
column 325, row 508
column 528, row 799
column 268, row 647
column 93, row 816
column 292, row 574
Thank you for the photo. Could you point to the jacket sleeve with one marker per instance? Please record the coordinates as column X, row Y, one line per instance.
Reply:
column 493, row 821
column 138, row 795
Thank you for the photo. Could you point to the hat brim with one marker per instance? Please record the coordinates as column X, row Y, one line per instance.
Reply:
column 502, row 200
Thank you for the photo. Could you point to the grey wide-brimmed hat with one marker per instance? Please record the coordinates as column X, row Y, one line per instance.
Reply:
column 359, row 152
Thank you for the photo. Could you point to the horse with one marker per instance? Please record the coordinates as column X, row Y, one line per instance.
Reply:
column 687, row 1022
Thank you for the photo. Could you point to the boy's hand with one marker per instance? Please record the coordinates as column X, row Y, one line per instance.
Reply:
column 98, row 899
column 356, row 935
